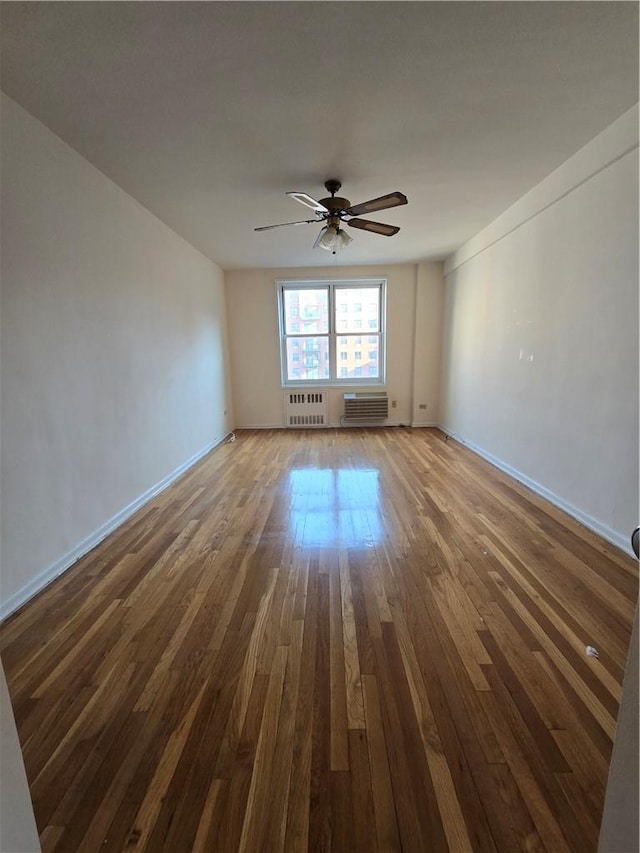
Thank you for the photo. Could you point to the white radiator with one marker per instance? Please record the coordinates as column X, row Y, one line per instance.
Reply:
column 305, row 409
column 372, row 406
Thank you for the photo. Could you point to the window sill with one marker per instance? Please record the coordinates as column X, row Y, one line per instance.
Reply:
column 327, row 386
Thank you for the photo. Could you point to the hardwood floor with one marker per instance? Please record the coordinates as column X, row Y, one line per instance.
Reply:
column 327, row 640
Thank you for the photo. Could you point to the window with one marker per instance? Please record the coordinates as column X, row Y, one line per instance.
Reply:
column 321, row 323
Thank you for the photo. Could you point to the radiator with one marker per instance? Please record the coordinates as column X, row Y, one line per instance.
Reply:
column 305, row 409
column 366, row 407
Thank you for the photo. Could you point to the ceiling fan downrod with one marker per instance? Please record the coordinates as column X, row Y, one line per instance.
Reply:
column 336, row 205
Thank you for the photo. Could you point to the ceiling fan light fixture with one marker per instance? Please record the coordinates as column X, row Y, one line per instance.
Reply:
column 333, row 238
column 342, row 239
column 327, row 238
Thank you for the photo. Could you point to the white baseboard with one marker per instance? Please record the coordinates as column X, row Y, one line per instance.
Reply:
column 261, row 426
column 37, row 584
column 338, row 425
column 333, row 425
column 603, row 530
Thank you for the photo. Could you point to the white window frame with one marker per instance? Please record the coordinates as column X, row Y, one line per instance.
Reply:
column 333, row 286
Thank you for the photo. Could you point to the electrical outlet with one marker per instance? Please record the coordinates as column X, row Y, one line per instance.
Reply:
column 394, row 403
column 422, row 405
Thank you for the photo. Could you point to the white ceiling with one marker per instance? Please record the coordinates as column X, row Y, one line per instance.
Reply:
column 206, row 112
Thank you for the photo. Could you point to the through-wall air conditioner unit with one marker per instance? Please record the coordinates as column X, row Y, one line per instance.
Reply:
column 305, row 409
column 371, row 406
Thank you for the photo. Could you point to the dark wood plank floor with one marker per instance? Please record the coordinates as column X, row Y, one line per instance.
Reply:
column 327, row 640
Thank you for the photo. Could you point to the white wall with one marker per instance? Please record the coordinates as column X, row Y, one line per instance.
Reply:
column 427, row 343
column 620, row 830
column 18, row 831
column 114, row 354
column 412, row 292
column 540, row 340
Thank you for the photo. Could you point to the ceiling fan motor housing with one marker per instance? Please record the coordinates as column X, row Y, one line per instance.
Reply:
column 335, row 204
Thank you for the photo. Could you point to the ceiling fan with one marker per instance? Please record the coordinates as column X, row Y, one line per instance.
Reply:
column 335, row 211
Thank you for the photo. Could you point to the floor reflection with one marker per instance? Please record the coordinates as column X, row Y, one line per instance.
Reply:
column 335, row 506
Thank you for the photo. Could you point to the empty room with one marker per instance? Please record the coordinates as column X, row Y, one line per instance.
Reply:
column 319, row 427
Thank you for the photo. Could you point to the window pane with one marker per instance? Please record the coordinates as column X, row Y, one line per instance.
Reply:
column 306, row 310
column 352, row 361
column 312, row 360
column 372, row 368
column 363, row 305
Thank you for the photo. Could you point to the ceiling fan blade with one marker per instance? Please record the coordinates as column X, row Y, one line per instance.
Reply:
column 282, row 224
column 382, row 203
column 303, row 198
column 375, row 227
